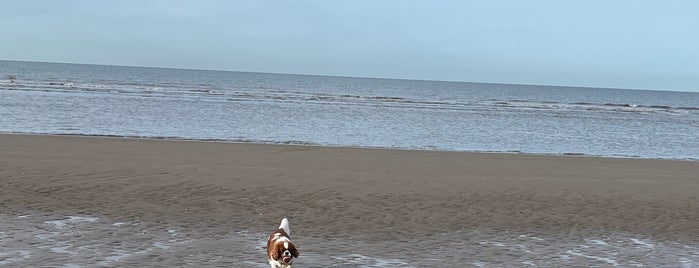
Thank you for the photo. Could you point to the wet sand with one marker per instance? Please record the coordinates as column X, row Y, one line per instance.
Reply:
column 214, row 200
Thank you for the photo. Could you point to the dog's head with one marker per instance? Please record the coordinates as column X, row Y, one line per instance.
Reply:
column 284, row 251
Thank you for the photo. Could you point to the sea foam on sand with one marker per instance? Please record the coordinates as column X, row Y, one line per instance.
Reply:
column 87, row 240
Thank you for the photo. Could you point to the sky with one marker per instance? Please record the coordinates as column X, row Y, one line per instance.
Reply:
column 593, row 43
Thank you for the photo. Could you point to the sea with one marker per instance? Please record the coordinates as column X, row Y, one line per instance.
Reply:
column 160, row 103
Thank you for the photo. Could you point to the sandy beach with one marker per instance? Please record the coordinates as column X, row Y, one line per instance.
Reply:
column 337, row 199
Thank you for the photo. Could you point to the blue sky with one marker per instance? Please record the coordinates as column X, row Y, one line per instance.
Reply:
column 622, row 44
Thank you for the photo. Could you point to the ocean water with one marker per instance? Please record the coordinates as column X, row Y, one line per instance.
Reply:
column 35, row 239
column 52, row 98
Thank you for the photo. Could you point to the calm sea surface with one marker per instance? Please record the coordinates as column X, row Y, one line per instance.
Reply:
column 51, row 98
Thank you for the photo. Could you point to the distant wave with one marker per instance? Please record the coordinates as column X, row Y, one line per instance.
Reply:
column 276, row 94
column 619, row 107
column 177, row 138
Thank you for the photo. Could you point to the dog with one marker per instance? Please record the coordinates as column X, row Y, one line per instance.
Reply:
column 280, row 251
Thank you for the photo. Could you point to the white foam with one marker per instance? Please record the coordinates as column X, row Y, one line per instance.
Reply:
column 62, row 250
column 532, row 237
column 687, row 263
column 635, row 264
column 529, row 263
column 599, row 242
column 494, row 243
column 368, row 261
column 47, row 236
column 642, row 243
column 161, row 245
column 10, row 257
column 479, row 264
column 579, row 254
column 117, row 255
column 120, row 224
column 70, row 220
column 525, row 249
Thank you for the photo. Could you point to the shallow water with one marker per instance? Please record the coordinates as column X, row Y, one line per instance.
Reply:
column 49, row 98
column 34, row 240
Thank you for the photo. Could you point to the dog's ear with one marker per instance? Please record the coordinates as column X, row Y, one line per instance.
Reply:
column 274, row 253
column 293, row 250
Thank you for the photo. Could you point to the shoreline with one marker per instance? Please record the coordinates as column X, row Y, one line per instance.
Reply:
column 310, row 144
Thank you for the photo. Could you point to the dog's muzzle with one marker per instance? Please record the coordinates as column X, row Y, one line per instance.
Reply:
column 286, row 257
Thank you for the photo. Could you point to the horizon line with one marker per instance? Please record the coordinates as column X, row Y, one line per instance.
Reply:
column 350, row 76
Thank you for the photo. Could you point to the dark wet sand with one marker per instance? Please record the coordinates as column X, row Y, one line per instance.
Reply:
column 368, row 195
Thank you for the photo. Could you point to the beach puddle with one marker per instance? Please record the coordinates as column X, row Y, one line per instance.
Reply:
column 30, row 240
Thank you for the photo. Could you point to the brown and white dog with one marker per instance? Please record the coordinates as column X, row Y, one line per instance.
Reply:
column 280, row 250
